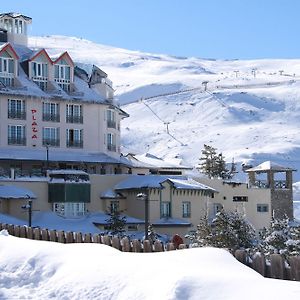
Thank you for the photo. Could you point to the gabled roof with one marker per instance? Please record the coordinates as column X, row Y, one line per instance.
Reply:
column 6, row 46
column 269, row 166
column 38, row 53
column 14, row 192
column 16, row 15
column 111, row 194
column 138, row 182
column 65, row 54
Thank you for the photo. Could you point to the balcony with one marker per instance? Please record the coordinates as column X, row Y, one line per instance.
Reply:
column 112, row 147
column 51, row 142
column 20, row 141
column 74, row 119
column 111, row 124
column 17, row 114
column 75, row 144
column 7, row 79
column 51, row 117
column 280, row 184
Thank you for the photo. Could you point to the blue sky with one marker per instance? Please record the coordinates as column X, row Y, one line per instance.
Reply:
column 225, row 29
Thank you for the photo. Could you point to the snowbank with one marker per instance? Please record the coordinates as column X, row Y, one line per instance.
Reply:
column 91, row 271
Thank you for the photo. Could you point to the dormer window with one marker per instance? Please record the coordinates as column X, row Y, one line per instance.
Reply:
column 40, row 74
column 62, row 75
column 7, row 71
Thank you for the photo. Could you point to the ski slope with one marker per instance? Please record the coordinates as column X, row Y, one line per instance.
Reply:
column 249, row 111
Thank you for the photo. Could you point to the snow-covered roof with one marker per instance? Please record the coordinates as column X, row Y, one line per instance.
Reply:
column 15, row 15
column 148, row 160
column 7, row 219
column 155, row 181
column 269, row 166
column 111, row 194
column 101, row 218
column 58, row 155
column 71, row 172
column 15, row 192
column 171, row 222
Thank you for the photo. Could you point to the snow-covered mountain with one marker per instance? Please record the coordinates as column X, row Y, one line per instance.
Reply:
column 250, row 110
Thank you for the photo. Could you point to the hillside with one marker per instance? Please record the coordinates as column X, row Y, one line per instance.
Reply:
column 250, row 110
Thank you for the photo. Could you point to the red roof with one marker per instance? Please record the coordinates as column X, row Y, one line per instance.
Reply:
column 62, row 55
column 42, row 51
column 9, row 46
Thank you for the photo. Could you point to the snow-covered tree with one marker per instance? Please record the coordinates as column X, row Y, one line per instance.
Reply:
column 116, row 222
column 213, row 164
column 293, row 242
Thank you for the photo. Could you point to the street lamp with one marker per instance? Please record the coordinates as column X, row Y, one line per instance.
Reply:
column 145, row 197
column 47, row 156
column 28, row 207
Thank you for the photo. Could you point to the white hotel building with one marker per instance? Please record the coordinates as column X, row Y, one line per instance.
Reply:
column 53, row 114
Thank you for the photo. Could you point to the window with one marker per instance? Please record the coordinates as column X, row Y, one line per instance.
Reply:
column 16, row 135
column 51, row 112
column 114, row 206
column 262, row 208
column 111, row 142
column 111, row 119
column 70, row 210
column 165, row 209
column 7, row 71
column 240, row 199
column 75, row 138
column 16, row 109
column 186, row 209
column 51, row 136
column 62, row 75
column 217, row 208
column 39, row 73
column 74, row 113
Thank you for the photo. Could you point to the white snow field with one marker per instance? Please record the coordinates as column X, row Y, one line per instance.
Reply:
column 44, row 270
column 250, row 110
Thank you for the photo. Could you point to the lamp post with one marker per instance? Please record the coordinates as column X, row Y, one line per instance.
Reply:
column 28, row 207
column 47, row 156
column 145, row 198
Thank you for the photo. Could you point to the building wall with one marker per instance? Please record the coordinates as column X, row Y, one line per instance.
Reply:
column 94, row 125
column 256, row 196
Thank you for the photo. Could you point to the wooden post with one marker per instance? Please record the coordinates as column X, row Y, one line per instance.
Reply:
column 45, row 235
column 23, row 232
column 295, row 267
column 17, row 231
column 170, row 247
column 277, row 266
column 53, row 236
column 259, row 264
column 78, row 237
column 158, row 247
column 61, row 237
column 69, row 237
column 182, row 246
column 147, row 246
column 87, row 238
column 136, row 246
column 11, row 229
column 97, row 238
column 241, row 256
column 29, row 232
column 115, row 242
column 106, row 240
column 125, row 244
column 37, row 234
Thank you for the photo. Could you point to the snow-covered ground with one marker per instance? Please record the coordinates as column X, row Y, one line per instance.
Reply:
column 250, row 110
column 44, row 270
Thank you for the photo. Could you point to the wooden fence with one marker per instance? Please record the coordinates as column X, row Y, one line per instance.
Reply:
column 276, row 267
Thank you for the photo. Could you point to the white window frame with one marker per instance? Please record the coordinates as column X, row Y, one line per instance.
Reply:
column 70, row 209
column 186, row 209
column 165, row 209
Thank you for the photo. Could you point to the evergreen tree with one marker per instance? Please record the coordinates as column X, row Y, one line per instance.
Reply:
column 152, row 236
column 116, row 222
column 293, row 243
column 213, row 164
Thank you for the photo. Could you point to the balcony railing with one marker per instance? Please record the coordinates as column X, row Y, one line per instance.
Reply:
column 280, row 184
column 74, row 119
column 6, row 80
column 111, row 147
column 17, row 114
column 51, row 117
column 75, row 144
column 111, row 124
column 17, row 141
column 263, row 184
column 51, row 142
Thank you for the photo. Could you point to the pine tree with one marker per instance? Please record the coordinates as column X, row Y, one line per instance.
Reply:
column 116, row 223
column 293, row 243
column 220, row 169
column 208, row 164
